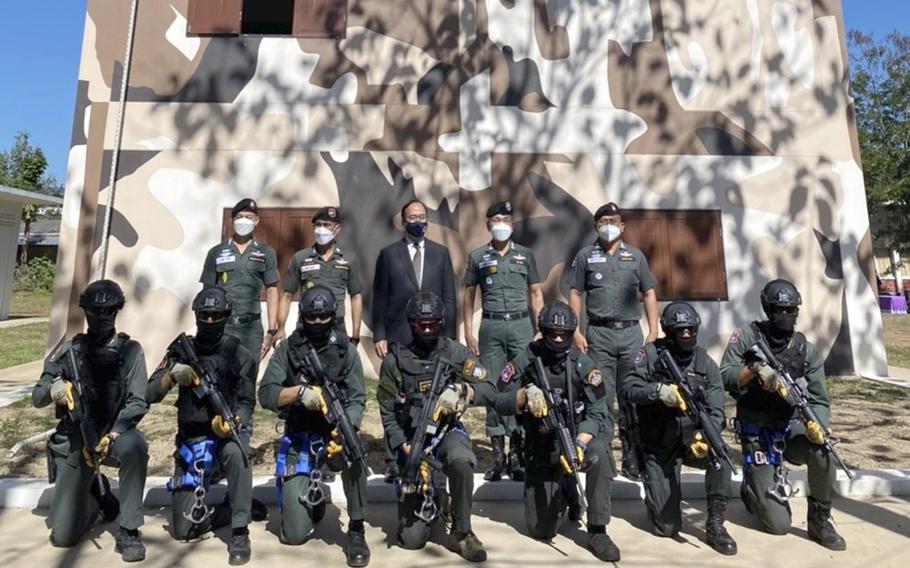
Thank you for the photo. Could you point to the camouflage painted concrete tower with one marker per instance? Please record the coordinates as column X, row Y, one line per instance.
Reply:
column 676, row 108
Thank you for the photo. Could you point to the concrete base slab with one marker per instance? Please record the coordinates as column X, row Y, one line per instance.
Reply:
column 876, row 531
column 29, row 493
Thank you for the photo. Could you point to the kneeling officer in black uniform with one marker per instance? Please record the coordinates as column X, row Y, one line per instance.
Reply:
column 668, row 437
column 577, row 385
column 206, row 449
column 97, row 381
column 405, row 377
column 293, row 388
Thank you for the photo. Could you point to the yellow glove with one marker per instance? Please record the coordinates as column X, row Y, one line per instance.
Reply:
column 425, row 477
column 815, row 433
column 333, row 448
column 221, row 428
column 450, row 401
column 537, row 404
column 185, row 375
column 669, row 395
column 566, row 467
column 62, row 393
column 698, row 447
column 101, row 451
column 311, row 399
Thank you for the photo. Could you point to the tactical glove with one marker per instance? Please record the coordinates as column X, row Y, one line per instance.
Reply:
column 184, row 375
column 815, row 433
column 669, row 395
column 699, row 448
column 451, row 401
column 768, row 378
column 221, row 428
column 62, row 393
column 311, row 399
column 537, row 404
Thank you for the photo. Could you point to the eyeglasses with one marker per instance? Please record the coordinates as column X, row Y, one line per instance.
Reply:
column 790, row 310
column 211, row 317
column 312, row 320
column 415, row 218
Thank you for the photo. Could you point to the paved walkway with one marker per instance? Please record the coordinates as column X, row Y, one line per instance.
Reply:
column 16, row 322
column 877, row 532
column 18, row 381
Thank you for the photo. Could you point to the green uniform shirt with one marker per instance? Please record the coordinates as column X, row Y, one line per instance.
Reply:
column 612, row 282
column 595, row 418
column 339, row 274
column 280, row 374
column 735, row 357
column 391, row 384
column 242, row 276
column 131, row 375
column 503, row 280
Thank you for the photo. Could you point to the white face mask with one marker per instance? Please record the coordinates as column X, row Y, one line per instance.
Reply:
column 608, row 233
column 244, row 226
column 323, row 235
column 501, row 232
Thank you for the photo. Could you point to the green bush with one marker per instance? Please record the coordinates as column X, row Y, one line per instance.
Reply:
column 37, row 275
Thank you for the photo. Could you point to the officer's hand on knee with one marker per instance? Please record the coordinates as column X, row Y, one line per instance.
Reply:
column 698, row 448
column 815, row 433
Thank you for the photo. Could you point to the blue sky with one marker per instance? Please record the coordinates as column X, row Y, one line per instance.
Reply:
column 40, row 62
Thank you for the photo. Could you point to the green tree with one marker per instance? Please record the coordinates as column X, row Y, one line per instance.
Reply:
column 23, row 167
column 880, row 87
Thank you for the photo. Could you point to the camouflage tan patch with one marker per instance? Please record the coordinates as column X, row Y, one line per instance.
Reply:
column 424, row 386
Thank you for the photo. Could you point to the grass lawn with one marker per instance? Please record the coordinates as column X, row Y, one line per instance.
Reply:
column 30, row 304
column 897, row 339
column 22, row 344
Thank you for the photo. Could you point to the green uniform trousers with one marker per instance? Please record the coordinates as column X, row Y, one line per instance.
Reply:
column 458, row 462
column 297, row 519
column 663, row 498
column 249, row 335
column 501, row 341
column 73, row 509
column 758, row 479
column 240, row 491
column 613, row 351
column 546, row 485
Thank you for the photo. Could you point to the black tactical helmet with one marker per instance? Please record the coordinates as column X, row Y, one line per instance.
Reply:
column 677, row 315
column 780, row 293
column 557, row 317
column 102, row 294
column 425, row 306
column 212, row 300
column 317, row 301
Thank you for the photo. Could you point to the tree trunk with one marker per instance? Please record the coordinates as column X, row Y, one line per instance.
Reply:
column 26, row 231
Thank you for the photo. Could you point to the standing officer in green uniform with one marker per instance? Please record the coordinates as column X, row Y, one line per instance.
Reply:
column 611, row 274
column 112, row 371
column 509, row 283
column 668, row 438
column 242, row 266
column 326, row 264
column 308, row 437
column 574, row 377
column 769, row 429
column 203, row 437
column 406, row 372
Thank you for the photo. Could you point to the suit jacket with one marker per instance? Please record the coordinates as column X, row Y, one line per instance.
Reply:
column 394, row 283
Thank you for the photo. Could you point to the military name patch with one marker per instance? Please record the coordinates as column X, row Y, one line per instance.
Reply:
column 595, row 378
column 257, row 258
column 488, row 263
column 596, row 259
column 225, row 258
column 309, row 267
column 507, row 373
column 640, row 357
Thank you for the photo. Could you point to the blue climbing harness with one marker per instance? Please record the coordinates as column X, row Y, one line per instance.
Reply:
column 310, row 449
column 198, row 472
column 773, row 443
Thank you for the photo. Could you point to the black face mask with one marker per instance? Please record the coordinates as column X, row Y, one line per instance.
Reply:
column 782, row 324
column 684, row 345
column 105, row 355
column 426, row 341
column 416, row 229
column 100, row 327
column 558, row 348
column 317, row 333
column 209, row 334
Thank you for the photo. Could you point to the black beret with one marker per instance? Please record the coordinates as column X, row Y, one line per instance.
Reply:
column 328, row 214
column 245, row 204
column 608, row 209
column 501, row 208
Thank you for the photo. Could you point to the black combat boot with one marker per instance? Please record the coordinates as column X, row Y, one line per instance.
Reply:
column 391, row 472
column 717, row 536
column 630, row 467
column 600, row 544
column 357, row 551
column 820, row 528
column 468, row 546
column 516, row 471
column 129, row 545
column 239, row 547
column 495, row 471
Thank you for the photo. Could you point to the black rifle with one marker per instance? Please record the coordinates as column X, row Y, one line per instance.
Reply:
column 795, row 392
column 695, row 410
column 78, row 412
column 427, row 432
column 558, row 414
column 182, row 350
column 337, row 416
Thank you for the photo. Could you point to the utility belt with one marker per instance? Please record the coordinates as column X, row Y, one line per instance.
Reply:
column 245, row 318
column 505, row 316
column 611, row 323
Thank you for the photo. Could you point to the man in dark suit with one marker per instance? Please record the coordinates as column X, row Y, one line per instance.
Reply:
column 405, row 267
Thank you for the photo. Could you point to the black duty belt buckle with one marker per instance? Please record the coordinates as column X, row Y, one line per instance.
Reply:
column 507, row 316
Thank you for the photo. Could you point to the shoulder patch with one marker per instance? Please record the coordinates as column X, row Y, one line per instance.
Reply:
column 734, row 338
column 507, row 373
column 594, row 378
column 473, row 369
column 640, row 356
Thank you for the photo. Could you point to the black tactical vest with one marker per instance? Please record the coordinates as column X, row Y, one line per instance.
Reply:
column 100, row 372
column 793, row 357
column 195, row 413
column 558, row 372
column 331, row 355
column 417, row 376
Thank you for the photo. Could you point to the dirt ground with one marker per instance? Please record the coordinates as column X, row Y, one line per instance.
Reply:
column 870, row 419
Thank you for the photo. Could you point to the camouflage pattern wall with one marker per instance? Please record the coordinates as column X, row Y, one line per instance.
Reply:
column 558, row 105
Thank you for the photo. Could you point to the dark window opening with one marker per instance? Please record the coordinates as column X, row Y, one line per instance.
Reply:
column 267, row 17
